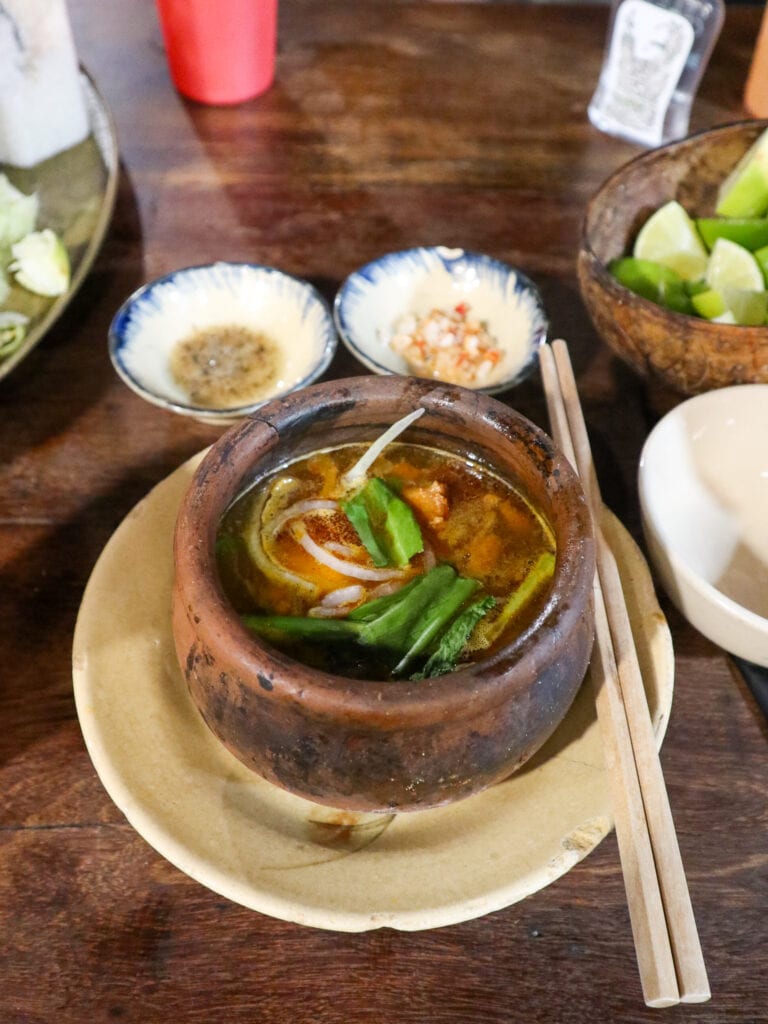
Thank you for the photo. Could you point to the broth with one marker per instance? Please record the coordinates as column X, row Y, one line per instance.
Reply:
column 288, row 547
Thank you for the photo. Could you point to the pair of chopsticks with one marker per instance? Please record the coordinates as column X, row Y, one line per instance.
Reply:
column 667, row 944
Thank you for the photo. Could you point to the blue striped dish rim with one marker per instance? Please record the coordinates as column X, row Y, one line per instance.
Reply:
column 118, row 330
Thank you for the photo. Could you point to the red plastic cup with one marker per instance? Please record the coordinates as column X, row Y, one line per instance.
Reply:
column 220, row 51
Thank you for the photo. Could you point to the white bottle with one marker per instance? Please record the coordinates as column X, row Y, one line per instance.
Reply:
column 655, row 55
column 42, row 104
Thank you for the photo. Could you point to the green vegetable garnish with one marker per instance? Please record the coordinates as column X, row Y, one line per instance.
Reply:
column 297, row 627
column 454, row 640
column 405, row 623
column 653, row 281
column 384, row 523
column 541, row 572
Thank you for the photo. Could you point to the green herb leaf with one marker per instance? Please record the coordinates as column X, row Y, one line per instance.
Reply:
column 454, row 639
column 404, row 624
column 358, row 515
column 437, row 616
column 384, row 523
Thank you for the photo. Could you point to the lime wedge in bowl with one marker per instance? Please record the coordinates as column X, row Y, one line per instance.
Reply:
column 747, row 308
column 744, row 193
column 732, row 266
column 653, row 281
column 669, row 237
column 751, row 232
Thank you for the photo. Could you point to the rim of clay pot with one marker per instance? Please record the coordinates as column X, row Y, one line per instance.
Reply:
column 225, row 471
column 587, row 253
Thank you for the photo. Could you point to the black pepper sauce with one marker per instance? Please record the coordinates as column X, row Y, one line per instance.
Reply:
column 225, row 366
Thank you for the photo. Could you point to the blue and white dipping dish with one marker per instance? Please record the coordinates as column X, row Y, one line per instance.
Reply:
column 263, row 299
column 375, row 297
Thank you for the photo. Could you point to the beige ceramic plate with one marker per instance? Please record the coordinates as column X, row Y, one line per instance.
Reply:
column 77, row 190
column 278, row 854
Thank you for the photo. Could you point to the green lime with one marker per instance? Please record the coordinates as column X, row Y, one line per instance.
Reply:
column 694, row 287
column 732, row 266
column 751, row 232
column 669, row 237
column 761, row 255
column 749, row 309
column 653, row 281
column 709, row 304
column 744, row 193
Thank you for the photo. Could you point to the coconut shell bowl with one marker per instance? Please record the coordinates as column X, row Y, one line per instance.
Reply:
column 684, row 353
column 390, row 745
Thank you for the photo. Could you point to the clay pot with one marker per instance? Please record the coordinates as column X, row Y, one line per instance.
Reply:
column 682, row 352
column 390, row 745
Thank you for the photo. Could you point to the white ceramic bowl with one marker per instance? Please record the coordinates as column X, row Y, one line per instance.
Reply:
column 372, row 299
column 154, row 319
column 703, row 483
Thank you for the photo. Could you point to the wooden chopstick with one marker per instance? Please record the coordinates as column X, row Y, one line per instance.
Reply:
column 668, row 950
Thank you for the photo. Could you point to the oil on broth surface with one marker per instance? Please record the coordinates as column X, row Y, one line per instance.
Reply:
column 287, row 548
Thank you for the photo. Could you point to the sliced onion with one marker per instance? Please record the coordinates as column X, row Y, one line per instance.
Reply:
column 268, row 566
column 429, row 558
column 342, row 549
column 344, row 595
column 300, row 508
column 385, row 589
column 337, row 603
column 355, row 476
column 330, row 561
column 321, row 612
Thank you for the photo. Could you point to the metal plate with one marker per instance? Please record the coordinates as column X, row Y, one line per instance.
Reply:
column 77, row 190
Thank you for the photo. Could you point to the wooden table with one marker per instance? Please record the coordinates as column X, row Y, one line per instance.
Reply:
column 390, row 124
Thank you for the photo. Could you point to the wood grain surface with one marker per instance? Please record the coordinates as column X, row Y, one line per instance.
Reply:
column 390, row 124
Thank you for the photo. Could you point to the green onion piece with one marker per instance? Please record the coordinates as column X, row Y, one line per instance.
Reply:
column 436, row 618
column 301, row 628
column 405, row 623
column 541, row 572
column 394, row 626
column 372, row 609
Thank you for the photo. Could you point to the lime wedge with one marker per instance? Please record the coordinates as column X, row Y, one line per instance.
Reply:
column 761, row 255
column 40, row 263
column 751, row 232
column 732, row 266
column 749, row 309
column 653, row 281
column 694, row 287
column 744, row 193
column 709, row 304
column 669, row 237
